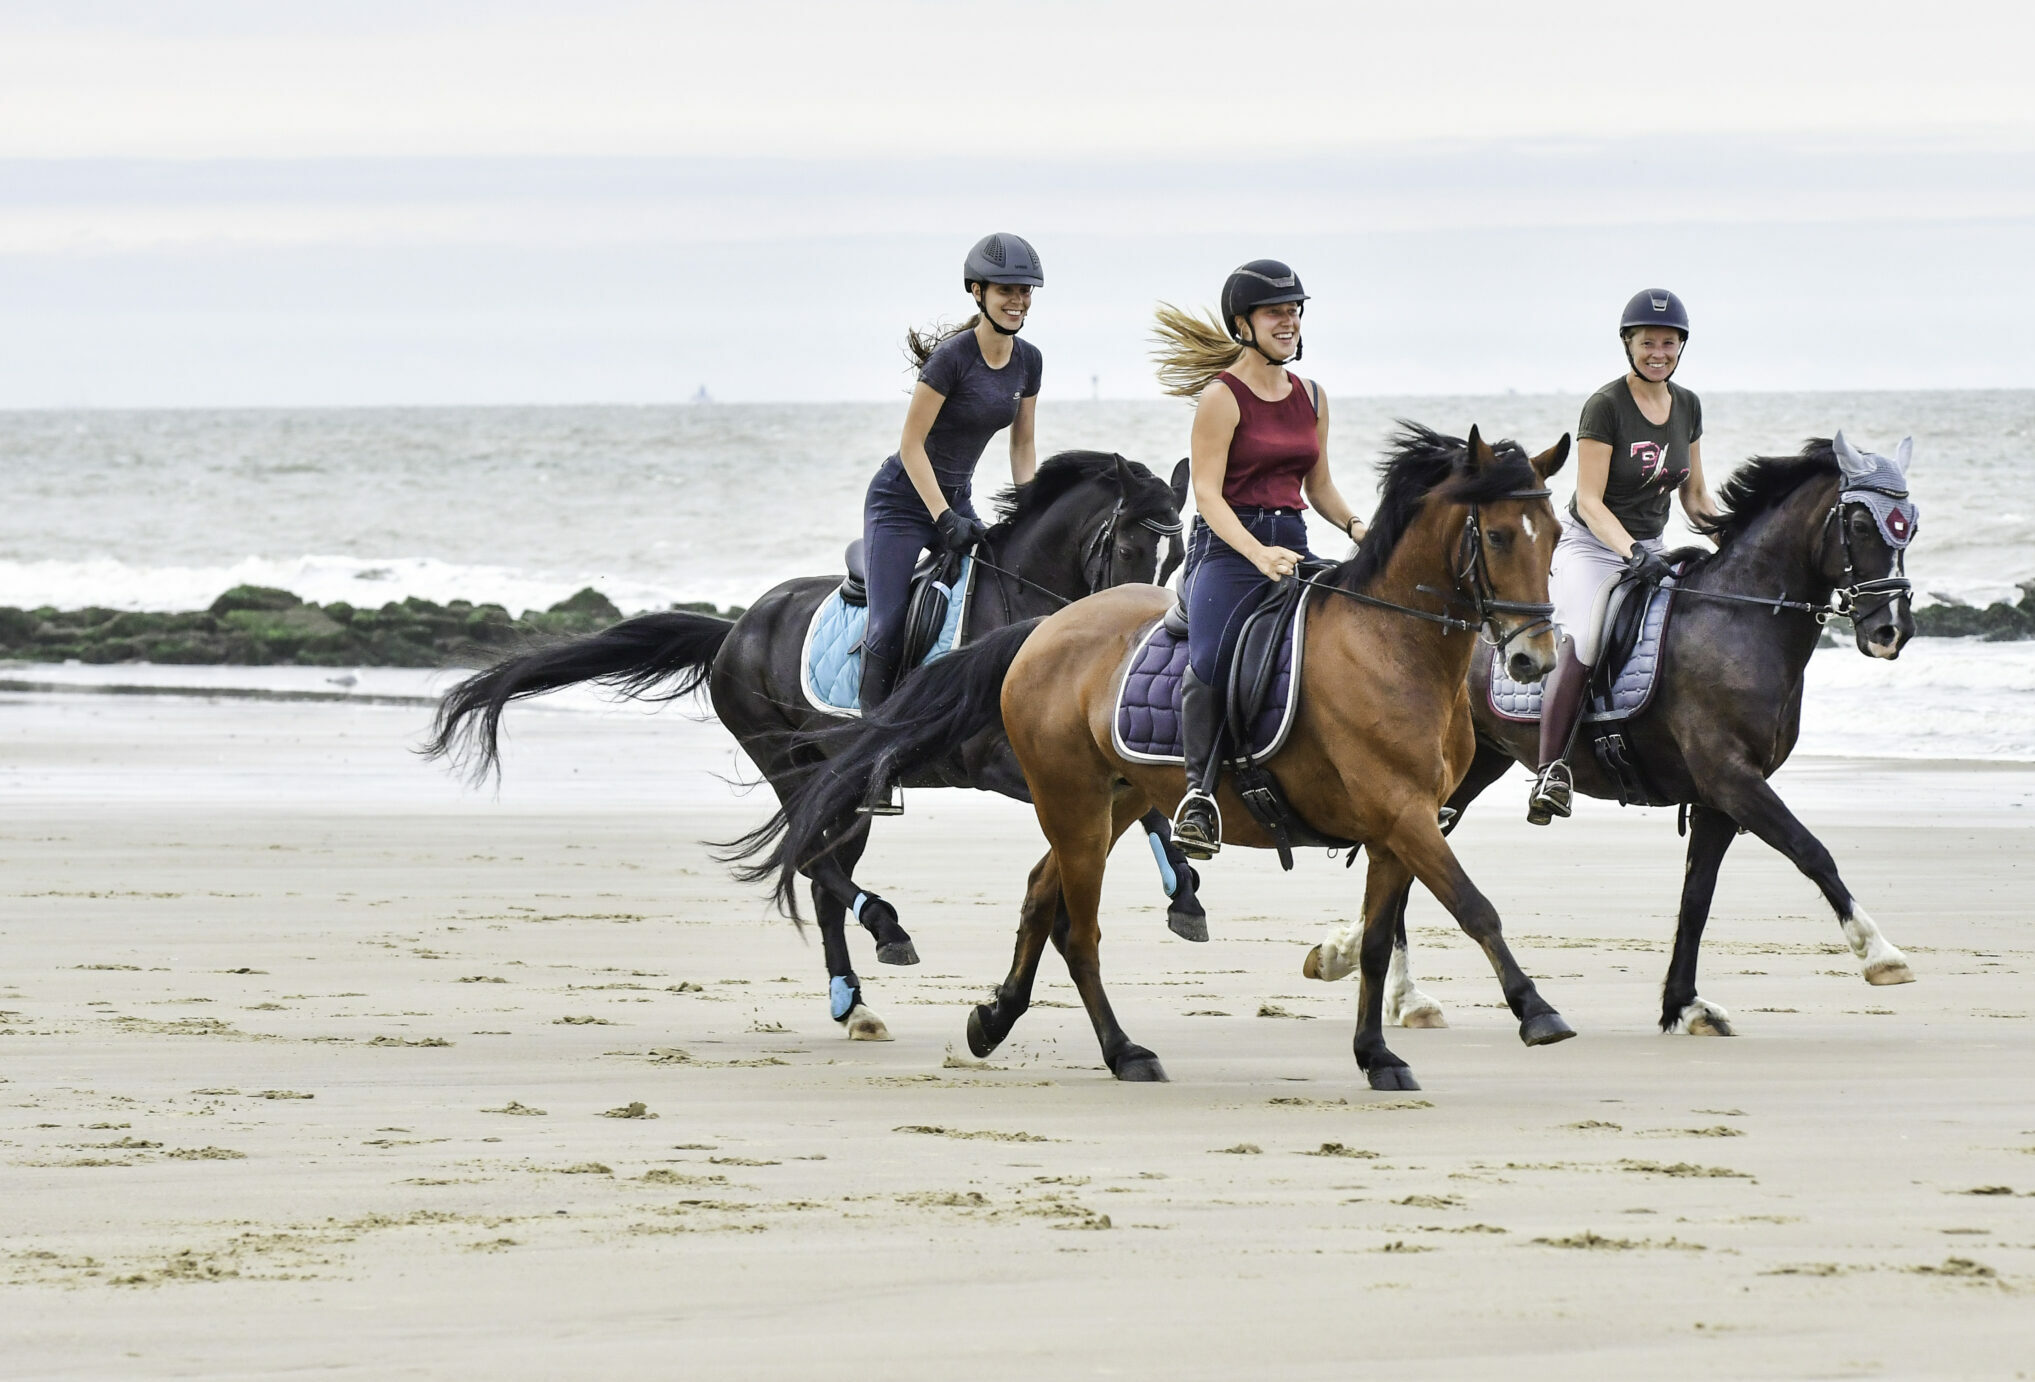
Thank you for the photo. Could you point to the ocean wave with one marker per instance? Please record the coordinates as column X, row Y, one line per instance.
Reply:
column 110, row 583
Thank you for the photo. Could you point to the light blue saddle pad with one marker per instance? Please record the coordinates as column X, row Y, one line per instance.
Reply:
column 1631, row 689
column 831, row 667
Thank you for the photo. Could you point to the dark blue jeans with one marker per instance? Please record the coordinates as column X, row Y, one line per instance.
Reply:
column 1222, row 587
column 895, row 529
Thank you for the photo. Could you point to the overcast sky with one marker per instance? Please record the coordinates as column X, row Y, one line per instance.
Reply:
column 513, row 202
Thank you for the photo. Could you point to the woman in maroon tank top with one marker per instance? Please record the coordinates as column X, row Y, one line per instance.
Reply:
column 1260, row 456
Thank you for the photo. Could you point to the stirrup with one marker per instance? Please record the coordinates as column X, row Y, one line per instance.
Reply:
column 1553, row 793
column 1197, row 826
column 884, row 801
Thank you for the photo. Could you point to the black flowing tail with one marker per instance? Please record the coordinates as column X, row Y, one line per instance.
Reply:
column 936, row 709
column 634, row 657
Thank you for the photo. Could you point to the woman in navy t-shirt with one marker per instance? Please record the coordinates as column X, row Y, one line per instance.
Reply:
column 972, row 384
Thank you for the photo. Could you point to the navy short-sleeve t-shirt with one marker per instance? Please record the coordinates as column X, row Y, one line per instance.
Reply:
column 980, row 401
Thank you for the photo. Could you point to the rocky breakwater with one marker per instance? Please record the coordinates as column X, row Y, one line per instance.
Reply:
column 258, row 626
column 1996, row 623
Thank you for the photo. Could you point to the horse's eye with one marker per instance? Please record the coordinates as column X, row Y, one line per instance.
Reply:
column 1497, row 538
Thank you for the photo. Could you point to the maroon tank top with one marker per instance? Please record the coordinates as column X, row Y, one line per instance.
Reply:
column 1274, row 447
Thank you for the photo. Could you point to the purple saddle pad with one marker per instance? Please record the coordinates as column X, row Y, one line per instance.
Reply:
column 1147, row 723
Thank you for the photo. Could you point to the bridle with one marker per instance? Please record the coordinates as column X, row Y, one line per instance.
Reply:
column 1473, row 570
column 1098, row 560
column 1844, row 601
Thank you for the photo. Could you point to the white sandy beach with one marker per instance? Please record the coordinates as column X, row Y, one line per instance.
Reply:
column 281, row 1006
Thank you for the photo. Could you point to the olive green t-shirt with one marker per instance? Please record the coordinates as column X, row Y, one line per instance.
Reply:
column 1648, row 463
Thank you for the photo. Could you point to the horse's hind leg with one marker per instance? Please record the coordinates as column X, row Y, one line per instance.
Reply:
column 844, row 989
column 1185, row 916
column 1083, row 851
column 1710, row 834
column 834, row 872
column 1753, row 804
column 1042, row 914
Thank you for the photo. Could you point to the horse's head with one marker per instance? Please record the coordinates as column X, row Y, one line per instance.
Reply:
column 1866, row 537
column 1086, row 521
column 1508, row 544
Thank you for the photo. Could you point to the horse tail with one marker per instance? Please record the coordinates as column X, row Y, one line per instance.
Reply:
column 634, row 657
column 937, row 708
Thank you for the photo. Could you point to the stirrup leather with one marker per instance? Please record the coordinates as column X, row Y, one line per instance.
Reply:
column 1195, row 842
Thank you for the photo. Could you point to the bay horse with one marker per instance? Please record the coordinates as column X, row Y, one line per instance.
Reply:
column 1085, row 521
column 1381, row 735
column 1801, row 540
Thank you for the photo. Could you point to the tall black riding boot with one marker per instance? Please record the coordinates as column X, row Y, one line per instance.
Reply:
column 878, row 675
column 1561, row 703
column 1197, row 823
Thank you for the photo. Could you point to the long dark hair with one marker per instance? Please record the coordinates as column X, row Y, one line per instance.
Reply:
column 920, row 345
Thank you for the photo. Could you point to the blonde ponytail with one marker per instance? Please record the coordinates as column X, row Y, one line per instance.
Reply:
column 1191, row 350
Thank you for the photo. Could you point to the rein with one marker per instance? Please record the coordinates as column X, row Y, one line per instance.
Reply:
column 1485, row 606
column 1103, row 543
column 1844, row 599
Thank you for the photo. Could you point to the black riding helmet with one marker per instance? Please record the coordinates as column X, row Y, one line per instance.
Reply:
column 1652, row 307
column 1260, row 283
column 1002, row 259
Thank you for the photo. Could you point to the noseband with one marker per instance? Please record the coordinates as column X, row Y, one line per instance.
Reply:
column 1844, row 600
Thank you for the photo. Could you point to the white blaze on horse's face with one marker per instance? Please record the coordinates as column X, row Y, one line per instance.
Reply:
column 1526, row 522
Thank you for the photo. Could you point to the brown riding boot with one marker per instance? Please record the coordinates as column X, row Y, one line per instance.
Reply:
column 1561, row 704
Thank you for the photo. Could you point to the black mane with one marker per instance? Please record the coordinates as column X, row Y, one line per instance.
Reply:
column 1762, row 484
column 1056, row 475
column 1418, row 461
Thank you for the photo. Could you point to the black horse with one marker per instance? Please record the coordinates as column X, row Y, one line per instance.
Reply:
column 1086, row 521
column 1800, row 542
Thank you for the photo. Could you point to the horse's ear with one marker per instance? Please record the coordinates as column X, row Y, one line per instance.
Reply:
column 1126, row 482
column 1551, row 460
column 1904, row 453
column 1182, row 475
column 1475, row 452
column 1853, row 465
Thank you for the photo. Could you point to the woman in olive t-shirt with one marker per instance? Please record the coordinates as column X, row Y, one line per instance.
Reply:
column 1640, row 441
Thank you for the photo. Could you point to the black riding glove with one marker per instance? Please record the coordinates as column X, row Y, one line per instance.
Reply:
column 958, row 532
column 1648, row 565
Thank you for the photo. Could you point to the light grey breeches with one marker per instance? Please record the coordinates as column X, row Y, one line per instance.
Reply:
column 1580, row 584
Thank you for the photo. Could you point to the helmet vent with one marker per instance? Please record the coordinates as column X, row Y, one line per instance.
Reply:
column 992, row 250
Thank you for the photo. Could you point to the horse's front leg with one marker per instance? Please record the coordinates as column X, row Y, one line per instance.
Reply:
column 1418, row 841
column 1752, row 802
column 1710, row 834
column 1185, row 916
column 1387, row 878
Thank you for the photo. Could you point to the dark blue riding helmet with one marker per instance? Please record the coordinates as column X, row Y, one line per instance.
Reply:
column 1003, row 259
column 1260, row 283
column 1655, row 307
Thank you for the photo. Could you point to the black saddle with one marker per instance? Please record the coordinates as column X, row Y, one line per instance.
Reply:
column 926, row 612
column 1253, row 667
column 1624, row 618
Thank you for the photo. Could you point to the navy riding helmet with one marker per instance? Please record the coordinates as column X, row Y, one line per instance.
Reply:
column 1003, row 259
column 1655, row 307
column 1260, row 283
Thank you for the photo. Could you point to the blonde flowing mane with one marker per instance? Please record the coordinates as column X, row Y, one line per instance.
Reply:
column 1190, row 350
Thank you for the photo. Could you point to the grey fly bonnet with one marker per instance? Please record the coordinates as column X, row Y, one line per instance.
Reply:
column 1882, row 486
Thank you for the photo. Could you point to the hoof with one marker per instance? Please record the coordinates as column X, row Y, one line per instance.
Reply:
column 1139, row 1066
column 1186, row 925
column 1706, row 1019
column 864, row 1025
column 1422, row 1014
column 1392, row 1077
column 1889, row 971
column 1545, row 1030
column 1310, row 968
column 898, row 953
column 1319, row 965
column 980, row 1043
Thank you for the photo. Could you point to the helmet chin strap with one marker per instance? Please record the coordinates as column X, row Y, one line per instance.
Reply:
column 1633, row 364
column 982, row 310
column 1251, row 342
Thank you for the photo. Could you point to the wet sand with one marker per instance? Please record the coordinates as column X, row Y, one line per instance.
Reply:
column 310, row 1061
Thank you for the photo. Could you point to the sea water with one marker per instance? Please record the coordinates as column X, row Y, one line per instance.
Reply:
column 651, row 505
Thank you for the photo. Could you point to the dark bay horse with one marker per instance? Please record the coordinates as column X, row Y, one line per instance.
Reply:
column 1087, row 520
column 1381, row 737
column 1800, row 542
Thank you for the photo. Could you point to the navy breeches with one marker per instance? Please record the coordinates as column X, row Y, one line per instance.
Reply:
column 1222, row 587
column 895, row 529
